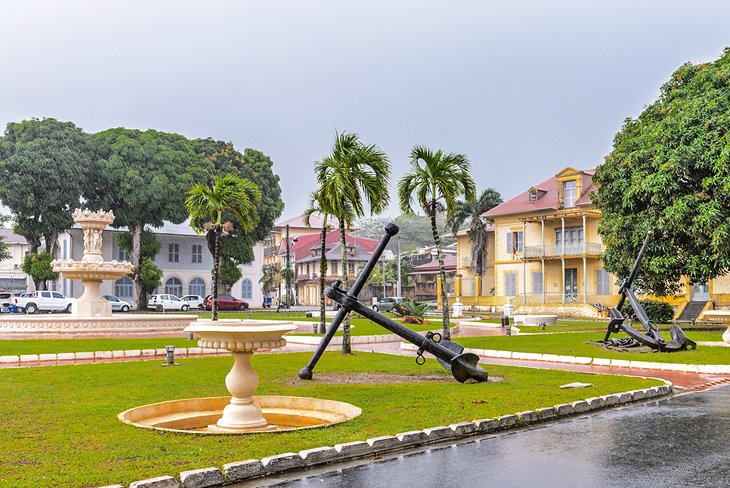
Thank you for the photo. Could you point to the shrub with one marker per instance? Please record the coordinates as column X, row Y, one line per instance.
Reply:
column 658, row 312
column 411, row 312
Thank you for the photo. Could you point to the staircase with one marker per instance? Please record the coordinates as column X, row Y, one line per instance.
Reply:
column 691, row 312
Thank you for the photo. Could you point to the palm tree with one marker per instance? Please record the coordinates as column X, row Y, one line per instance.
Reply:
column 270, row 277
column 436, row 181
column 352, row 175
column 471, row 211
column 206, row 205
column 319, row 205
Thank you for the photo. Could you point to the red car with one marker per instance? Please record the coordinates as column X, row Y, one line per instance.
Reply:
column 225, row 302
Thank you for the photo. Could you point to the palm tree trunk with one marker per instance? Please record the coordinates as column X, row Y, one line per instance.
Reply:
column 446, row 332
column 322, row 277
column 346, row 348
column 216, row 272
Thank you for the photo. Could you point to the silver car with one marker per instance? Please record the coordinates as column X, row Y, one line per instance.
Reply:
column 117, row 304
column 386, row 304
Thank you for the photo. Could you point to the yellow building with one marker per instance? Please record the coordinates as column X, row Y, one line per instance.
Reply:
column 544, row 256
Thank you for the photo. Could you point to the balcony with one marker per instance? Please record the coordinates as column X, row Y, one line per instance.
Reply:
column 569, row 250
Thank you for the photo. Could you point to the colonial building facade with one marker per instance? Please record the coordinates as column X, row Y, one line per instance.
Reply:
column 544, row 256
column 184, row 259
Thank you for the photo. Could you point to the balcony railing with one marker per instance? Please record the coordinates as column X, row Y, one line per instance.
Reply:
column 556, row 251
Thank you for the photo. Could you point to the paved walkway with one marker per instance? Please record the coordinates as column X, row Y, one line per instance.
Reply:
column 681, row 380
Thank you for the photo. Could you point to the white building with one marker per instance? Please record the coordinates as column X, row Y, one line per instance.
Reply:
column 12, row 278
column 184, row 259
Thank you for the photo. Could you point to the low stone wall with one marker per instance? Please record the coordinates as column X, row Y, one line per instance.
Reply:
column 575, row 310
column 251, row 469
column 60, row 323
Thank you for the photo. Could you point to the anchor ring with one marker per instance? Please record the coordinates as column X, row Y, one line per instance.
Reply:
column 436, row 337
column 420, row 360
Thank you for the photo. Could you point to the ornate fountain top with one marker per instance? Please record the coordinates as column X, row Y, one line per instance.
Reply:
column 86, row 215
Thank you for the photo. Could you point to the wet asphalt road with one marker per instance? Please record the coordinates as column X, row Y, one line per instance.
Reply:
column 680, row 442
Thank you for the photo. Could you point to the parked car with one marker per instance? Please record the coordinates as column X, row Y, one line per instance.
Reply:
column 226, row 302
column 160, row 303
column 6, row 298
column 46, row 301
column 386, row 304
column 117, row 304
column 195, row 301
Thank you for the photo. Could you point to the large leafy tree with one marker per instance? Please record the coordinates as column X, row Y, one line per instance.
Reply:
column 143, row 177
column 436, row 181
column 669, row 172
column 257, row 167
column 147, row 273
column 470, row 212
column 209, row 203
column 45, row 167
column 319, row 205
column 353, row 176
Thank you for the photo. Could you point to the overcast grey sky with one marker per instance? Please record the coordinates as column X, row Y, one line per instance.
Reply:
column 524, row 88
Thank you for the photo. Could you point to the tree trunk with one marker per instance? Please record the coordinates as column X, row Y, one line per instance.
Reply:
column 322, row 277
column 51, row 243
column 346, row 348
column 34, row 243
column 216, row 271
column 141, row 295
column 446, row 333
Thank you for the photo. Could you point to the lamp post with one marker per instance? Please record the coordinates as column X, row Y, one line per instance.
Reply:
column 400, row 291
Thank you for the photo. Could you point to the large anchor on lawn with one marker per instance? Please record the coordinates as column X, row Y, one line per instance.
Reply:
column 651, row 336
column 450, row 354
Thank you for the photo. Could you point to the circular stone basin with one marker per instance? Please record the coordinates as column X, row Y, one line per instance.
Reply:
column 282, row 413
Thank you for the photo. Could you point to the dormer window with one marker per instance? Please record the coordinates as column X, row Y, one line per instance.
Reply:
column 533, row 195
column 569, row 193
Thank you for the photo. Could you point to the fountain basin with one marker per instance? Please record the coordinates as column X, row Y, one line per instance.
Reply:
column 721, row 316
column 198, row 415
column 66, row 323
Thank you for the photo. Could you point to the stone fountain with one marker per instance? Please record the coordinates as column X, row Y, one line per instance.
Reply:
column 722, row 317
column 92, row 269
column 241, row 413
column 92, row 313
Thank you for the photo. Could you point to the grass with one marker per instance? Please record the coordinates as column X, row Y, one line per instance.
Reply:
column 577, row 344
column 58, row 425
column 53, row 346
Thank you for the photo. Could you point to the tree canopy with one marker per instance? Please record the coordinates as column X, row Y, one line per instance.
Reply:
column 45, row 167
column 256, row 167
column 669, row 171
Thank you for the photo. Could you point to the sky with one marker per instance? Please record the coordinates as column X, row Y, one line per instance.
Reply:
column 523, row 88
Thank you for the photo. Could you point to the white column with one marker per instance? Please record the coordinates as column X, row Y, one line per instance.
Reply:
column 585, row 287
column 542, row 221
column 562, row 275
column 524, row 262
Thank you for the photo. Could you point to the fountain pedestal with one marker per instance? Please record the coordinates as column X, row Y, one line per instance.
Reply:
column 241, row 338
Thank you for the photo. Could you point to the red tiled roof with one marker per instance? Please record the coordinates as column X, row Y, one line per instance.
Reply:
column 302, row 248
column 433, row 266
column 548, row 201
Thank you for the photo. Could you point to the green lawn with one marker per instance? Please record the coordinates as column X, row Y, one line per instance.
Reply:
column 576, row 344
column 58, row 425
column 52, row 346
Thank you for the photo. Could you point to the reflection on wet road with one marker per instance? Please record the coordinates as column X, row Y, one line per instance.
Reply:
column 680, row 442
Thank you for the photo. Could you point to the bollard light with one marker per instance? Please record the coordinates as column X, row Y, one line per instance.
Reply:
column 508, row 329
column 315, row 327
column 170, row 359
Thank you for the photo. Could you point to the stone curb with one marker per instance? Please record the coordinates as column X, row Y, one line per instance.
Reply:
column 616, row 363
column 251, row 469
column 107, row 355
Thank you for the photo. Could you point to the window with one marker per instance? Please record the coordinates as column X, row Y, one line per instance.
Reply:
column 197, row 253
column 173, row 253
column 573, row 240
column 533, row 195
column 197, row 287
column 173, row 286
column 334, row 265
column 515, row 242
column 57, row 295
column 603, row 282
column 65, row 249
column 124, row 287
column 246, row 289
column 122, row 255
column 537, row 283
column 569, row 194
column 510, row 284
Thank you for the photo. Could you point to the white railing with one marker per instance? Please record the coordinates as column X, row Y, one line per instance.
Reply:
column 550, row 250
